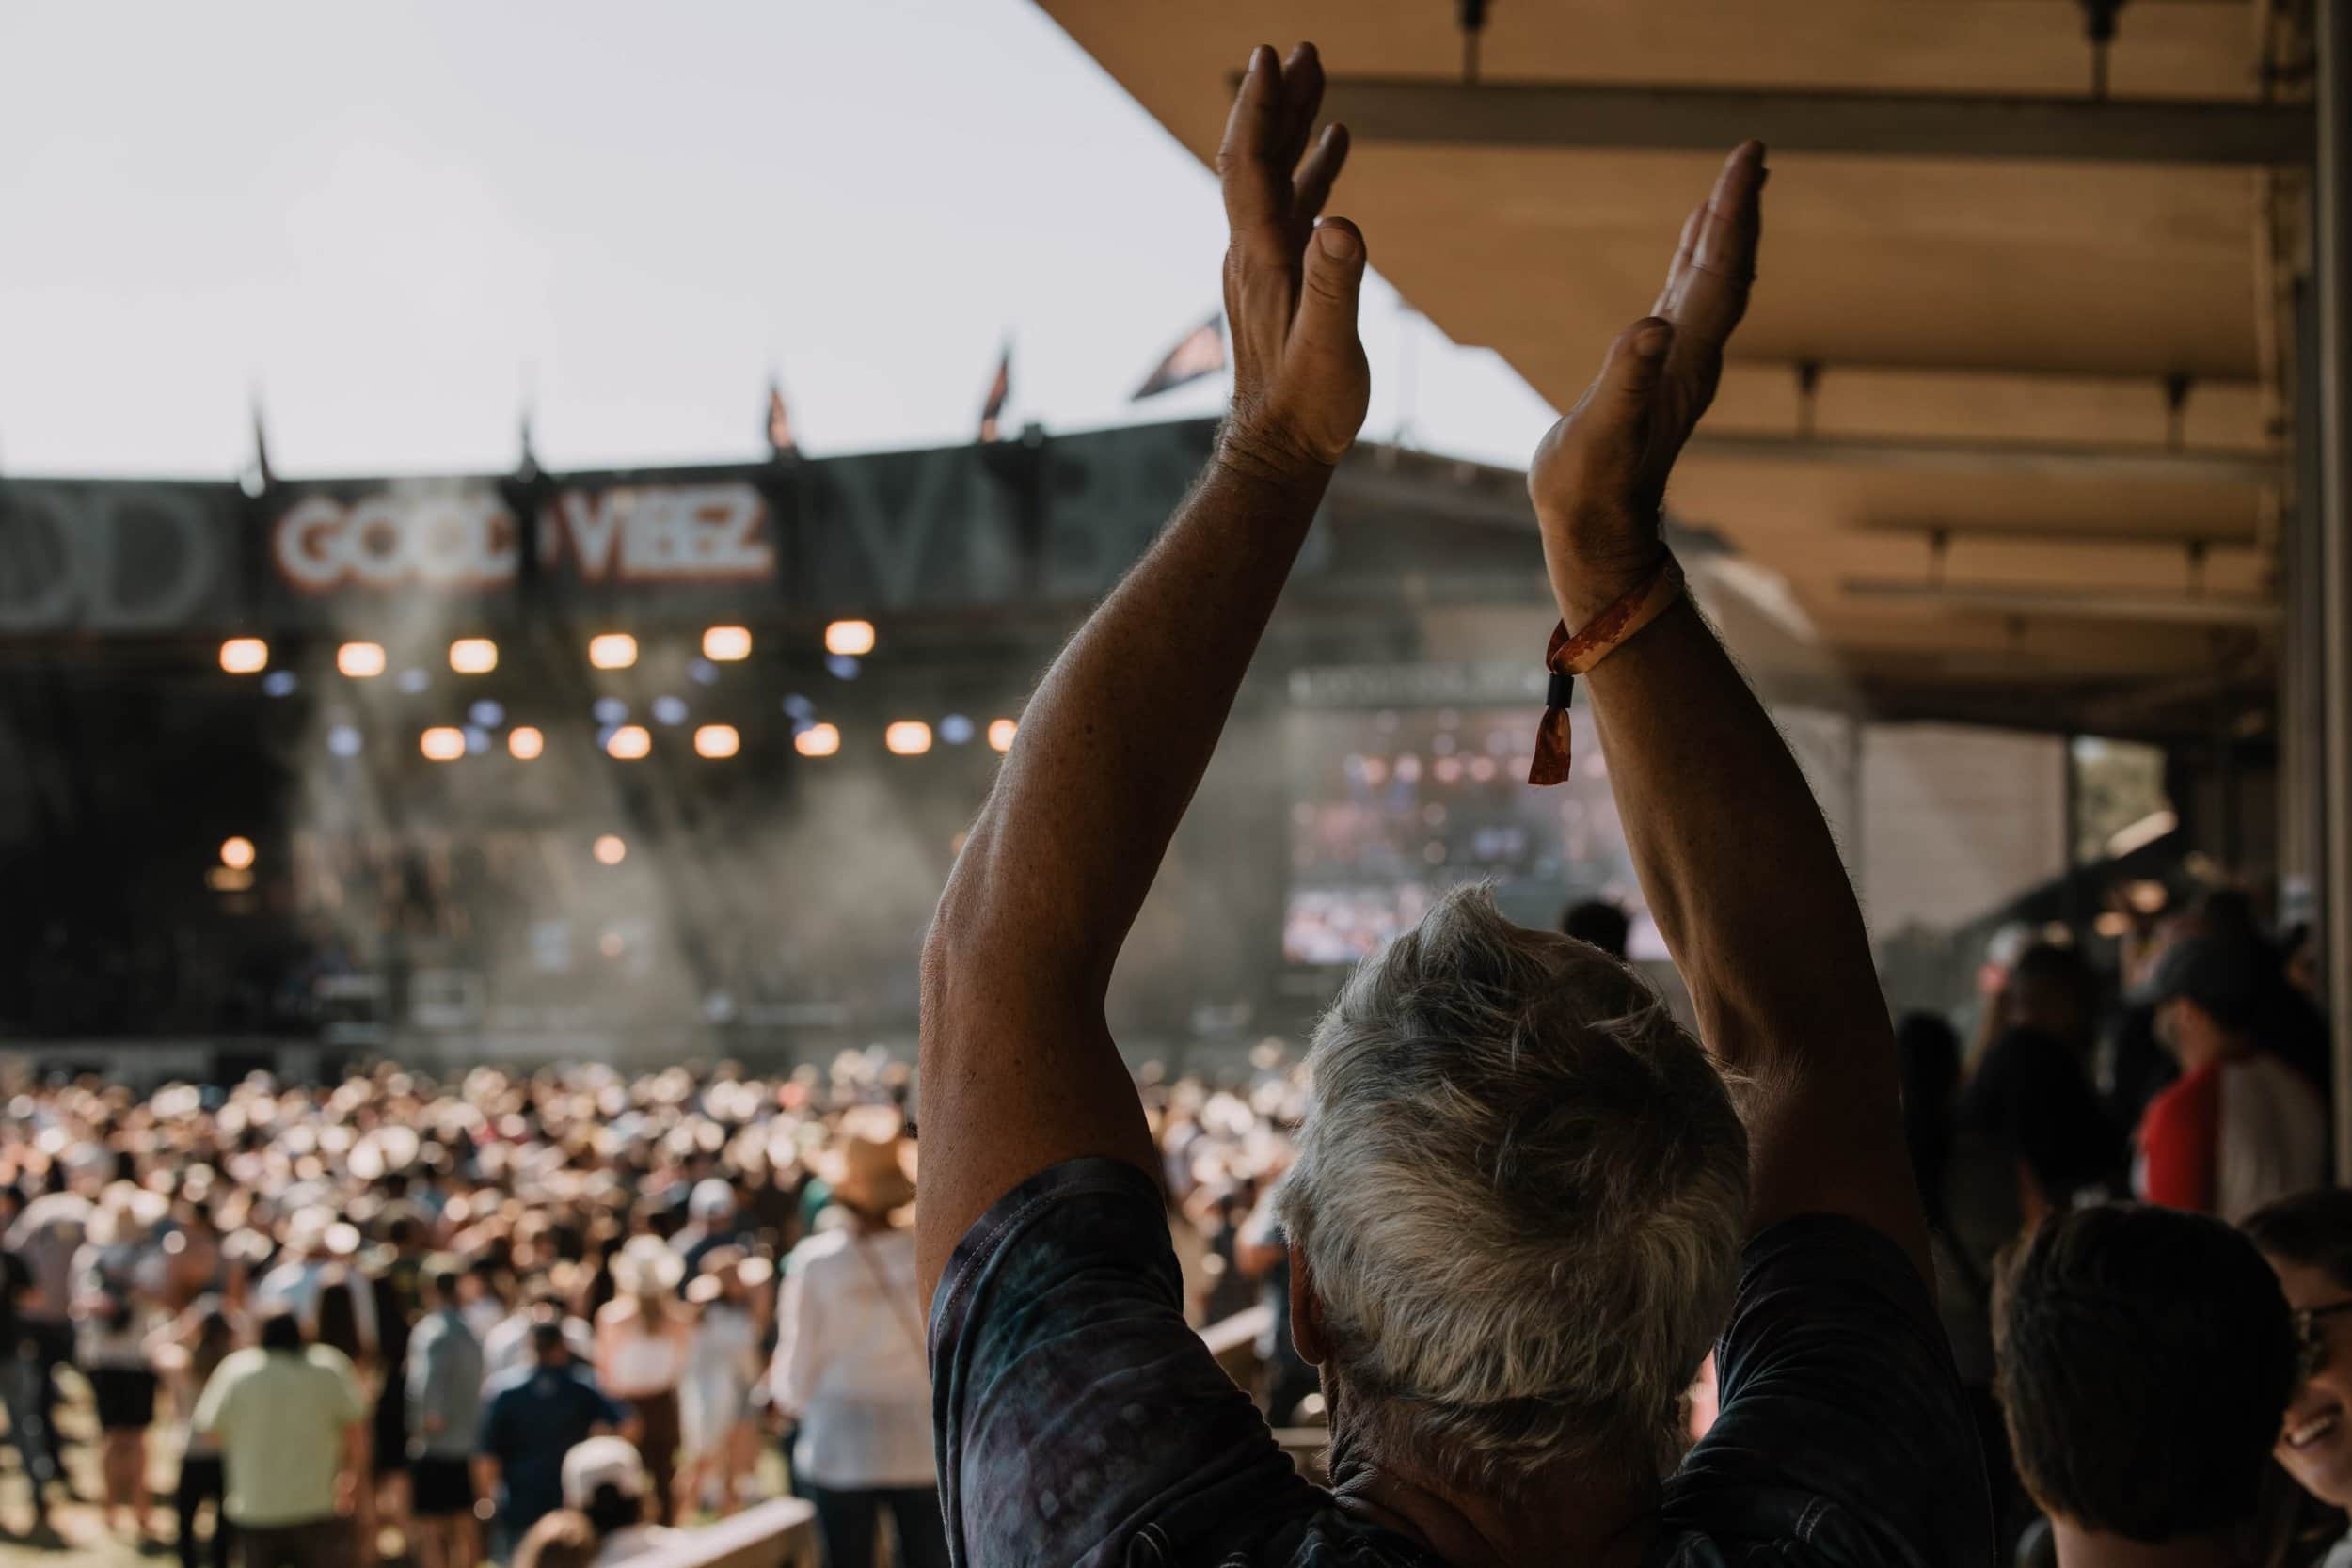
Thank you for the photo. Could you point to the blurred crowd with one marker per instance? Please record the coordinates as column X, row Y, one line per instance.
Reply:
column 398, row 1310
column 551, row 1318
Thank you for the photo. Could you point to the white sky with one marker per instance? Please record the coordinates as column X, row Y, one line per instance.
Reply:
column 391, row 219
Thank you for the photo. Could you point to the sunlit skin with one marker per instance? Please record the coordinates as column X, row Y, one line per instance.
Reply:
column 2315, row 1443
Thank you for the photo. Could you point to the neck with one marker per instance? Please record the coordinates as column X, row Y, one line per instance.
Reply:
column 1572, row 1517
column 2080, row 1548
column 2201, row 1051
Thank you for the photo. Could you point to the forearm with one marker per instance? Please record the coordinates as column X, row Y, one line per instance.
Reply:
column 1738, row 867
column 1114, row 742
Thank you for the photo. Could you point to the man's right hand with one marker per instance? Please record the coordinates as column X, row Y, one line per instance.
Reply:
column 1599, row 475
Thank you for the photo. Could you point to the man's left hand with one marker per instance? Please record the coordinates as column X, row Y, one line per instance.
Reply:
column 1300, row 382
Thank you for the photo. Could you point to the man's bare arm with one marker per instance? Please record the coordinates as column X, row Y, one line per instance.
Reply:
column 1739, row 867
column 1018, row 1068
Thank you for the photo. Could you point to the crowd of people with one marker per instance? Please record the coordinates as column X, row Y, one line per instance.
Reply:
column 391, row 1309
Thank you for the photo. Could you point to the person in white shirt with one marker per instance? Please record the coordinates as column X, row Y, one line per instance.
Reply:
column 850, row 1362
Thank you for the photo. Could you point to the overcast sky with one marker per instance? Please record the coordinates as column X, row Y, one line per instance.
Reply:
column 396, row 222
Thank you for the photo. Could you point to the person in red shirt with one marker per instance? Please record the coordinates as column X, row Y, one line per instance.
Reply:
column 2241, row 1128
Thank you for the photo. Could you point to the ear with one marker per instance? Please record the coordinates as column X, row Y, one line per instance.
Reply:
column 1306, row 1311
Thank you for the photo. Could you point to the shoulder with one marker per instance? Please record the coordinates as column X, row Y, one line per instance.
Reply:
column 2194, row 1099
column 818, row 1249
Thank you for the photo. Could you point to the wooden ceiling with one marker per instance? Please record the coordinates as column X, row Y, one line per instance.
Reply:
column 1988, row 497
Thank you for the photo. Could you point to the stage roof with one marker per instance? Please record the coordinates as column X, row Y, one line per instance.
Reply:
column 2046, row 451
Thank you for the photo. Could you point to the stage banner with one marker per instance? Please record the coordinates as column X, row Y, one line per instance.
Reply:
column 122, row 558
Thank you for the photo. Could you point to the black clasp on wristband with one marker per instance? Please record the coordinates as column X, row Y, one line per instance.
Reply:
column 1561, row 689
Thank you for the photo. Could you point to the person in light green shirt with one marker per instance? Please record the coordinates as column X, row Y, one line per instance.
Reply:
column 292, row 1423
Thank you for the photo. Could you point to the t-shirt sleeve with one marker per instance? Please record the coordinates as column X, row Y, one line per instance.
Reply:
column 1842, row 1421
column 2179, row 1139
column 1075, row 1414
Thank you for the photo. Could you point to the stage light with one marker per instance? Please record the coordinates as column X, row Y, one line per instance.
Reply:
column 361, row 661
column 442, row 743
column 1000, row 734
column 610, row 711
column 727, row 645
column 611, row 945
column 612, row 650
column 669, row 710
column 344, row 740
column 413, row 682
column 477, row 741
column 841, row 667
column 717, row 741
column 849, row 639
column 907, row 737
column 487, row 714
column 524, row 743
column 236, row 853
column 818, row 740
column 800, row 707
column 279, row 683
column 611, row 850
column 956, row 729
column 245, row 656
column 628, row 743
column 473, row 656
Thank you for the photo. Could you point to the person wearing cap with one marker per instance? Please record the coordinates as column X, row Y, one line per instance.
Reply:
column 644, row 1336
column 2241, row 1128
column 530, row 1420
column 850, row 1362
column 606, row 1482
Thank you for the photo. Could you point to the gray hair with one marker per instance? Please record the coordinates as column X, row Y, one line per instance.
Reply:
column 1520, row 1190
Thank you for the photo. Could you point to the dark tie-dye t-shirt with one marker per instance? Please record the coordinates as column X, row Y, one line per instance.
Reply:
column 1079, row 1421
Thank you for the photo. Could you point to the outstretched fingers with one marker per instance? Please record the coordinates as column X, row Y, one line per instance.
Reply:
column 1294, row 115
column 1716, row 266
column 1255, row 197
column 1312, row 187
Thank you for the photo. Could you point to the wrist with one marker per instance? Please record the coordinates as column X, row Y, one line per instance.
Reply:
column 1264, row 456
column 1593, row 563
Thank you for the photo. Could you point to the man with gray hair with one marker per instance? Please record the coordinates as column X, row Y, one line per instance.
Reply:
column 1526, row 1202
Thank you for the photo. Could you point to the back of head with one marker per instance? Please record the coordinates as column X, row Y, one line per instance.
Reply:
column 547, row 1345
column 1520, row 1189
column 280, row 1332
column 1597, row 921
column 2052, row 988
column 2313, row 1229
column 2146, row 1357
column 563, row 1538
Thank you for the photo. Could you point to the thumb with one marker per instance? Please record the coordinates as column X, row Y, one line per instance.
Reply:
column 1326, row 297
column 1635, row 362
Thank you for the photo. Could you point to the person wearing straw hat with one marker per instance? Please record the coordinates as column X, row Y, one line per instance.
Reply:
column 850, row 1362
column 644, row 1336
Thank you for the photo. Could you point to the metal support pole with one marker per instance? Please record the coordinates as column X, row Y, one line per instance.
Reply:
column 2332, row 264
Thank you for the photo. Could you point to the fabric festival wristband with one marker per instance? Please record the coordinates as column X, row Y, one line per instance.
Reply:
column 1570, row 656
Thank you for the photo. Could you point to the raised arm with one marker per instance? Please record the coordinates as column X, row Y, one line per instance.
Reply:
column 1738, row 865
column 1018, row 1068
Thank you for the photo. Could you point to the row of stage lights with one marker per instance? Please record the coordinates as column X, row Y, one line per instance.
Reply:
column 237, row 855
column 610, row 650
column 903, row 738
column 617, row 650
